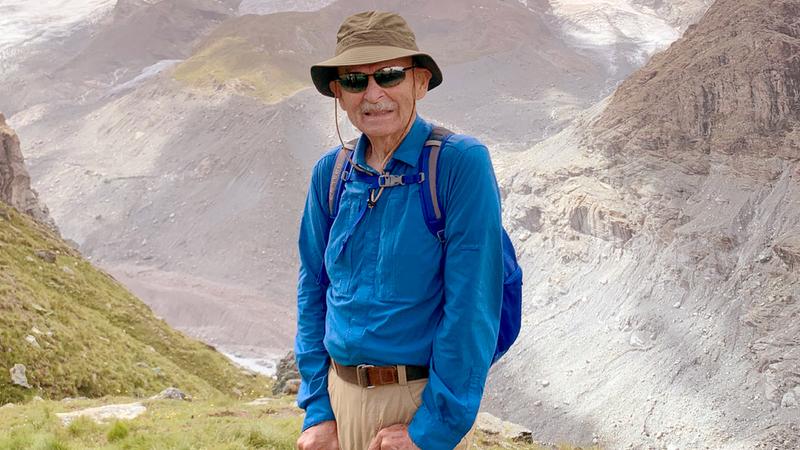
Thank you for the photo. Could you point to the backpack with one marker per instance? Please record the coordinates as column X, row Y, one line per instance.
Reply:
column 511, row 311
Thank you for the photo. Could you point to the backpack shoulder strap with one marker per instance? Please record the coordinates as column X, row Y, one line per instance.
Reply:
column 340, row 170
column 429, row 162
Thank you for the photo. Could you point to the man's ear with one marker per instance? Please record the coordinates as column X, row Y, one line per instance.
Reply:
column 334, row 87
column 422, row 77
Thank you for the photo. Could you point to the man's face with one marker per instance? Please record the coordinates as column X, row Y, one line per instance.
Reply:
column 383, row 112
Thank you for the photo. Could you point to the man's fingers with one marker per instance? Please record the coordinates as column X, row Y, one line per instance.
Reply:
column 376, row 441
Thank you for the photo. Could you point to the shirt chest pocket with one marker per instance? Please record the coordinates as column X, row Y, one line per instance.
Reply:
column 410, row 256
column 340, row 252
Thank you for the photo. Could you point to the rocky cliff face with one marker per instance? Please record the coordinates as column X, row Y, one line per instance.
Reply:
column 660, row 236
column 15, row 183
column 732, row 85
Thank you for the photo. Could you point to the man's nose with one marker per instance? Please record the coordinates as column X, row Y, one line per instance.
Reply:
column 373, row 92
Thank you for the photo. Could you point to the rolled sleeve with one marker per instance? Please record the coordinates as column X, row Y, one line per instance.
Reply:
column 466, row 336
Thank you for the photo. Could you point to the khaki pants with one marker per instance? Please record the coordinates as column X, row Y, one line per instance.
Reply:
column 362, row 412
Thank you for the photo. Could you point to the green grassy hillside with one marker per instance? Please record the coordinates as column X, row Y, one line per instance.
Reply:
column 80, row 333
column 253, row 56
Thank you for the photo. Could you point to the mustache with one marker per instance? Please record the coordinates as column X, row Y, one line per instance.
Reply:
column 387, row 105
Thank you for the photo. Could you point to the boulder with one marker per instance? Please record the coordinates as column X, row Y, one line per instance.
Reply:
column 288, row 377
column 171, row 393
column 18, row 376
column 46, row 256
column 104, row 414
column 495, row 426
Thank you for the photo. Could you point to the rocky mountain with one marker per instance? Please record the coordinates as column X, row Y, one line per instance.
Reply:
column 659, row 235
column 181, row 167
column 15, row 183
column 68, row 329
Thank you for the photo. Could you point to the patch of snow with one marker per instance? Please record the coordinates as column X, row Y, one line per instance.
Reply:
column 264, row 7
column 147, row 73
column 263, row 366
column 23, row 22
column 608, row 23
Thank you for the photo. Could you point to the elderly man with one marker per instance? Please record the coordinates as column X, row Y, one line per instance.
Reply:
column 396, row 326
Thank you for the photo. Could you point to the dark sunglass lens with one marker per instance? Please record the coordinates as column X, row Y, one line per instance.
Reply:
column 389, row 77
column 354, row 82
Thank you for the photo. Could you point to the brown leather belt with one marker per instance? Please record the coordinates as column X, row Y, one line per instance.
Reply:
column 366, row 375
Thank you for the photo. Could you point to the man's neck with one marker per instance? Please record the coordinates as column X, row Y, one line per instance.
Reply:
column 380, row 148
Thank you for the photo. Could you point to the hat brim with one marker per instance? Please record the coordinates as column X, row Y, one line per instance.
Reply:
column 322, row 73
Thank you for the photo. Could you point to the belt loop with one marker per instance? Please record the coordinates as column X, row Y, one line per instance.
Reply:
column 402, row 379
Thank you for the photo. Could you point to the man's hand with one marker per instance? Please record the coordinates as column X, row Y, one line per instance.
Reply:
column 321, row 436
column 394, row 437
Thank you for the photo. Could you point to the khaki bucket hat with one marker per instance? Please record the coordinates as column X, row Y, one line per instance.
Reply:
column 370, row 37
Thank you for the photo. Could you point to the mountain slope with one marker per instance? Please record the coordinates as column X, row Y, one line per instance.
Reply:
column 79, row 333
column 660, row 241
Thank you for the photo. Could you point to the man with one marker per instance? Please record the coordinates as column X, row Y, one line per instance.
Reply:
column 396, row 329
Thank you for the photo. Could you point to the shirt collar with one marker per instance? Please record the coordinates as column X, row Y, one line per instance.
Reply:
column 409, row 149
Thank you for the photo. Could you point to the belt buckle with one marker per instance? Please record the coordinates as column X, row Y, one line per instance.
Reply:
column 362, row 375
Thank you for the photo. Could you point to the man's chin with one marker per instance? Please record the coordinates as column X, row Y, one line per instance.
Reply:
column 373, row 131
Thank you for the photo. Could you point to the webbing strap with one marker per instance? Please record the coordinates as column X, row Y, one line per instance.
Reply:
column 429, row 164
column 433, row 163
column 387, row 180
column 336, row 175
column 429, row 197
column 340, row 168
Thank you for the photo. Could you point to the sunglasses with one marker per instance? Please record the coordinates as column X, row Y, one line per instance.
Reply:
column 386, row 78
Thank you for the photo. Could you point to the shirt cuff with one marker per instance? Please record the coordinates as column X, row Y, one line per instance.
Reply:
column 317, row 412
column 430, row 433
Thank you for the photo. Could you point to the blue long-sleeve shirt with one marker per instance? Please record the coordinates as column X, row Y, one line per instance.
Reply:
column 396, row 294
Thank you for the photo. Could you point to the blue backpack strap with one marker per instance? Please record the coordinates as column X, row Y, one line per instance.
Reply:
column 434, row 213
column 432, row 209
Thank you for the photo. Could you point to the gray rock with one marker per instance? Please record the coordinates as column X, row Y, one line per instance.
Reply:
column 32, row 340
column 18, row 376
column 105, row 414
column 46, row 256
column 172, row 393
column 492, row 425
column 789, row 400
column 291, row 387
column 15, row 182
column 285, row 371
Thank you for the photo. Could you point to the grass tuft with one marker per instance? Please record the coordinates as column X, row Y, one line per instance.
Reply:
column 118, row 432
column 82, row 426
